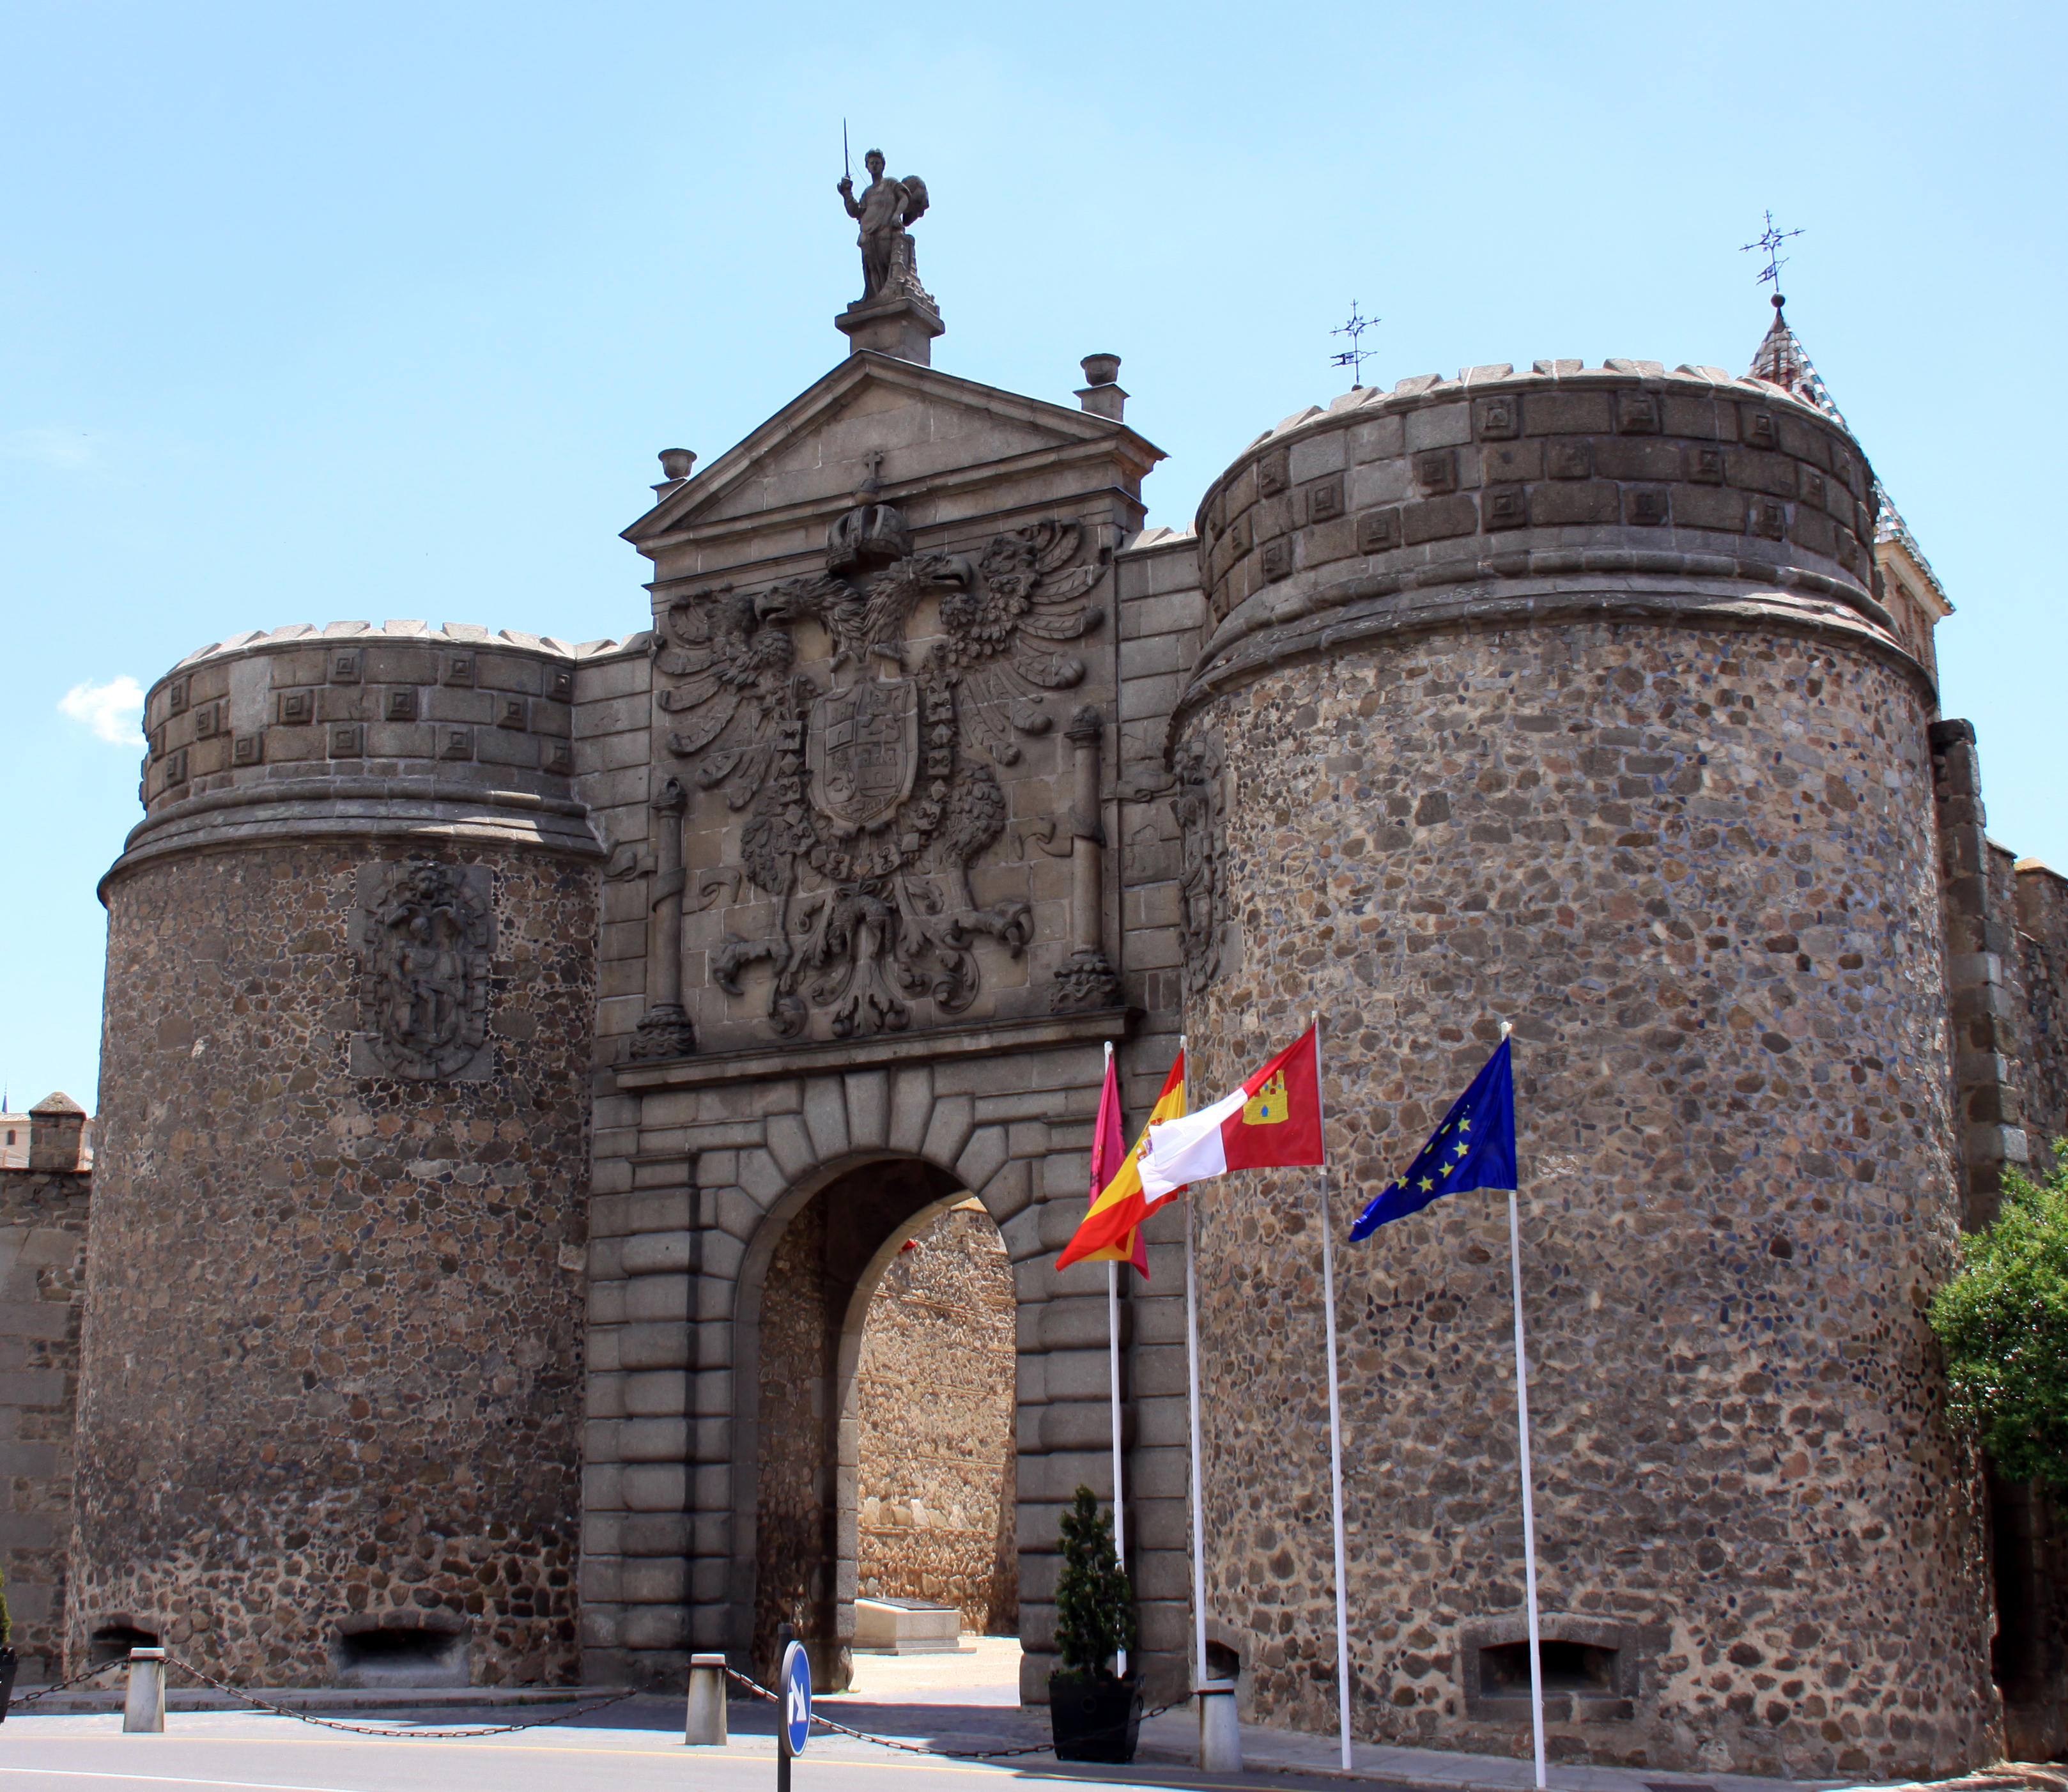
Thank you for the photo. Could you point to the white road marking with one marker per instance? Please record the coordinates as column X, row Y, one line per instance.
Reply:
column 169, row 1779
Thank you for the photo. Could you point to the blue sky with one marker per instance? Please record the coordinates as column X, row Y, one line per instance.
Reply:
column 323, row 312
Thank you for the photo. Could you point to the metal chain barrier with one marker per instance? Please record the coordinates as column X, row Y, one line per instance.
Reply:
column 369, row 1729
column 45, row 1691
column 755, row 1687
column 761, row 1691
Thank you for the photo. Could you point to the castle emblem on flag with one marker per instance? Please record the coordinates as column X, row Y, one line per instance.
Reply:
column 1270, row 1106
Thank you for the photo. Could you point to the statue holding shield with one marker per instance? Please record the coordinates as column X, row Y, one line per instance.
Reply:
column 884, row 210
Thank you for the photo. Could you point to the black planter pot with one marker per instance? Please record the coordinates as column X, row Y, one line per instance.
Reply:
column 10, row 1663
column 1094, row 1719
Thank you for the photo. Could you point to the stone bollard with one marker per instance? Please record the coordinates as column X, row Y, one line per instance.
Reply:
column 144, row 1709
column 1220, row 1733
column 703, row 1725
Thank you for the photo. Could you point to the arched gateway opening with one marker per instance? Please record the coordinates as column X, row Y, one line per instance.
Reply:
column 912, row 1416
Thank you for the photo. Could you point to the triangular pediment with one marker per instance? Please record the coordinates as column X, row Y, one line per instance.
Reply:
column 927, row 426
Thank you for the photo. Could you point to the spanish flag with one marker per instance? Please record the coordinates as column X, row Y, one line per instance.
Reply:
column 1111, row 1227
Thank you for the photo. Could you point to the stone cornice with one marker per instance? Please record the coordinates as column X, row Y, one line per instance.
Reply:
column 1370, row 612
column 310, row 809
column 815, row 1057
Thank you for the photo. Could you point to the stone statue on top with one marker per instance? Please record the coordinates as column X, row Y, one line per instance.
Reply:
column 884, row 210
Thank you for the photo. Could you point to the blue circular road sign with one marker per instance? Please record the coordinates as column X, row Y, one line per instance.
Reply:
column 796, row 1688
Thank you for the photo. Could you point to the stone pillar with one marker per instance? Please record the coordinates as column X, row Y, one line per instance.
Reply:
column 703, row 1724
column 44, row 1218
column 665, row 1031
column 1099, row 394
column 1085, row 980
column 1988, row 1107
column 55, row 1126
column 144, row 1704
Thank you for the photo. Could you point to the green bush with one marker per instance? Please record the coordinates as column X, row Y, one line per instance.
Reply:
column 1094, row 1604
column 2003, row 1323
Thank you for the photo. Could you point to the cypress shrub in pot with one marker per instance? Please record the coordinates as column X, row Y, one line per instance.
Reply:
column 9, row 1662
column 1094, row 1713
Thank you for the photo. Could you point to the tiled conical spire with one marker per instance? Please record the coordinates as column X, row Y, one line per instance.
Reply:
column 1783, row 360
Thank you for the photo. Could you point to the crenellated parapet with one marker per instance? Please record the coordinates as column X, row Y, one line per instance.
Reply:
column 1501, row 498
column 352, row 729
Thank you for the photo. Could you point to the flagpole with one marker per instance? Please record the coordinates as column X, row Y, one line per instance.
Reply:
column 1335, row 1422
column 1113, row 1368
column 1192, row 1383
column 1529, row 1503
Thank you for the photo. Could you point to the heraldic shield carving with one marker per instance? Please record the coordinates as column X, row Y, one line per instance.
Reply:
column 862, row 747
column 868, row 798
column 424, row 936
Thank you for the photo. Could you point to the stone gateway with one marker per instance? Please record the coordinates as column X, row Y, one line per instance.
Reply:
column 527, row 1063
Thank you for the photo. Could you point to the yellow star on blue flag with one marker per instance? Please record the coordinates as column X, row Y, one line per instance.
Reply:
column 1473, row 1148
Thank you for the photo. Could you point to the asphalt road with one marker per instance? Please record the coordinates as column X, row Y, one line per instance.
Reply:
column 628, row 1752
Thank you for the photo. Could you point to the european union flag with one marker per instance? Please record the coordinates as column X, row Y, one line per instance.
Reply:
column 1473, row 1148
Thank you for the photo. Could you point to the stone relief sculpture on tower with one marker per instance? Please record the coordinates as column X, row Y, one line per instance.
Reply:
column 423, row 971
column 884, row 210
column 868, row 796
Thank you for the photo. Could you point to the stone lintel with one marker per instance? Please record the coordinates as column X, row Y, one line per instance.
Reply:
column 831, row 1056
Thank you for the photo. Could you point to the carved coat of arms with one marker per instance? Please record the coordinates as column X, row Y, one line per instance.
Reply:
column 424, row 934
column 868, row 797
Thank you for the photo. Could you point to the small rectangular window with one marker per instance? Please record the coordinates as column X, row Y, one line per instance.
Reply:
column 1568, row 1668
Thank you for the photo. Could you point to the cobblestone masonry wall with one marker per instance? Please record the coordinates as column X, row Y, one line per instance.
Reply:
column 2041, row 909
column 42, row 1265
column 1696, row 871
column 935, row 1391
column 355, row 1403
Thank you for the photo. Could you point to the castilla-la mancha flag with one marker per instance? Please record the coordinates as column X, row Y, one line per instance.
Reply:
column 1118, row 1206
column 1273, row 1120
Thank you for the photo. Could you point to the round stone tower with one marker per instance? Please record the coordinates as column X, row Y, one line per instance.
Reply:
column 1563, row 698
column 330, row 1428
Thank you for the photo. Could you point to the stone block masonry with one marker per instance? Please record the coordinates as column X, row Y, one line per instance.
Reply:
column 42, row 1276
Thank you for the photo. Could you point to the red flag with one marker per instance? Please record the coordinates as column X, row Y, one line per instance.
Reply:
column 1108, row 1157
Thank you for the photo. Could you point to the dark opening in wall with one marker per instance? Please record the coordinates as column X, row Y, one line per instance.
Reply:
column 113, row 1642
column 1568, row 1668
column 1222, row 1662
column 402, row 1656
column 1592, row 1668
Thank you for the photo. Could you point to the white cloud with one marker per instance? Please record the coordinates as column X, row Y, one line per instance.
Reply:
column 68, row 450
column 112, row 710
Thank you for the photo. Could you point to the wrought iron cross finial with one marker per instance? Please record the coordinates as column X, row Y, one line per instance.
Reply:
column 1355, row 356
column 1769, row 241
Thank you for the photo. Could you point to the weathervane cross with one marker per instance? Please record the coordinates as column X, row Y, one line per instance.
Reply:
column 1770, row 240
column 1355, row 356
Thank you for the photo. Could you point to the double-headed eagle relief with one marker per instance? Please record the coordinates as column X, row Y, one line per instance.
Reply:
column 868, row 795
